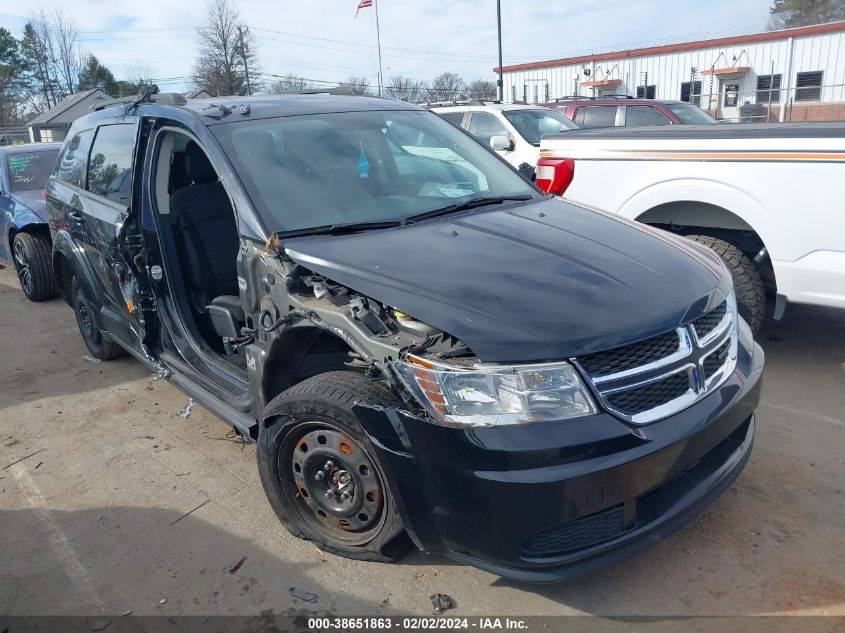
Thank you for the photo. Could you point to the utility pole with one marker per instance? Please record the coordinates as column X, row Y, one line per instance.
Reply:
column 378, row 41
column 501, row 81
column 243, row 57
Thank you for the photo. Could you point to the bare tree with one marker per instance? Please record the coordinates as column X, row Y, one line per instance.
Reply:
column 36, row 51
column 290, row 83
column 406, row 89
column 67, row 56
column 359, row 85
column 225, row 51
column 482, row 90
column 447, row 87
column 139, row 74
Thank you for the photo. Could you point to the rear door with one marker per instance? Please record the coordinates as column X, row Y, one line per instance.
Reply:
column 639, row 116
column 591, row 116
column 104, row 226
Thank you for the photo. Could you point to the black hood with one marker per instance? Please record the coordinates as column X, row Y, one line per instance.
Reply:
column 542, row 281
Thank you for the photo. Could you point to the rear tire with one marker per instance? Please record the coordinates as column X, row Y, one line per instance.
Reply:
column 85, row 312
column 31, row 256
column 748, row 284
column 311, row 444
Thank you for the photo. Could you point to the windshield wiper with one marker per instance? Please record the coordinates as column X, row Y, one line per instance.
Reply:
column 463, row 206
column 341, row 229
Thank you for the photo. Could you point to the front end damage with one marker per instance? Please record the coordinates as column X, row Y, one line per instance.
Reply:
column 533, row 498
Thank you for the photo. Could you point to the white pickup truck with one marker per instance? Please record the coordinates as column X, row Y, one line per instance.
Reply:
column 769, row 198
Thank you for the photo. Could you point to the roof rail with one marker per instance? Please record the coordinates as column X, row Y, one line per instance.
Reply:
column 459, row 102
column 146, row 94
column 592, row 97
column 338, row 90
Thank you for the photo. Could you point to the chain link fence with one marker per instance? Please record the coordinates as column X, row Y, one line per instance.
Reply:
column 773, row 104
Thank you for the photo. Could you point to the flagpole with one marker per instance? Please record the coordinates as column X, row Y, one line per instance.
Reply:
column 378, row 41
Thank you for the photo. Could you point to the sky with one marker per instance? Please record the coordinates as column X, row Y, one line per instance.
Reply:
column 322, row 39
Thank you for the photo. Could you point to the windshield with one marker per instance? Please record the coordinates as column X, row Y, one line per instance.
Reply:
column 318, row 170
column 535, row 124
column 29, row 171
column 690, row 114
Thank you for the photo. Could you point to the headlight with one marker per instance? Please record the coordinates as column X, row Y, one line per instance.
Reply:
column 491, row 395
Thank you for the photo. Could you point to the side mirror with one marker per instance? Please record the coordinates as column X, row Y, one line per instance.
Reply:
column 501, row 143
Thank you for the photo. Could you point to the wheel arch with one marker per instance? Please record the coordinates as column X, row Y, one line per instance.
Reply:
column 693, row 206
column 69, row 263
column 297, row 353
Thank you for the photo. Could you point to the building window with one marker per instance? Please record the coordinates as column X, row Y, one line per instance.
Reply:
column 646, row 92
column 808, row 86
column 691, row 92
column 766, row 83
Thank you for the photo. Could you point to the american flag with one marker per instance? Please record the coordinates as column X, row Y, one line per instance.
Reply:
column 363, row 5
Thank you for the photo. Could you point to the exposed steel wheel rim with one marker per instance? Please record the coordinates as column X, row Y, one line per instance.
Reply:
column 86, row 320
column 335, row 485
column 22, row 267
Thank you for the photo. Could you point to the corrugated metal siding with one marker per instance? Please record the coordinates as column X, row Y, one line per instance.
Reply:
column 822, row 52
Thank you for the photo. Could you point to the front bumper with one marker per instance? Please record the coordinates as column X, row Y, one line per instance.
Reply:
column 545, row 502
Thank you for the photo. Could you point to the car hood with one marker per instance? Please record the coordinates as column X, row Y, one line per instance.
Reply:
column 34, row 201
column 542, row 281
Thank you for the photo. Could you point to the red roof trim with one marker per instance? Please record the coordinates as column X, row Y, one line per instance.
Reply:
column 801, row 31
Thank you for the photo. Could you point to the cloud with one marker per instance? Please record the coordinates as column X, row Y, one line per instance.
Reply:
column 321, row 39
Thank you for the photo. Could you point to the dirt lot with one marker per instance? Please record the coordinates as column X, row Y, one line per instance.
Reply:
column 91, row 521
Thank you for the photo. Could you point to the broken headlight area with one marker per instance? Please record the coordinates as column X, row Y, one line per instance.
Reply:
column 494, row 395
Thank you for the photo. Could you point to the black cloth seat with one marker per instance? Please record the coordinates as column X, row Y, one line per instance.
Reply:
column 206, row 232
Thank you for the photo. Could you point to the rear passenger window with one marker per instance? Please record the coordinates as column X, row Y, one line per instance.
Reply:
column 596, row 116
column 70, row 167
column 485, row 126
column 455, row 118
column 645, row 115
column 110, row 165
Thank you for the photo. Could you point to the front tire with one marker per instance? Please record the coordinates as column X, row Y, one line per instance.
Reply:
column 320, row 474
column 748, row 284
column 31, row 255
column 100, row 348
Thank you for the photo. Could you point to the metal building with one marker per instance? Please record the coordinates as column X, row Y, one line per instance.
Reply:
column 789, row 75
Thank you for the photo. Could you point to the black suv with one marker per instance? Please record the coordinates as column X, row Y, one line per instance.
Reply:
column 424, row 346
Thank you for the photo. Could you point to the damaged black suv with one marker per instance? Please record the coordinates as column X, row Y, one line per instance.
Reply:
column 425, row 347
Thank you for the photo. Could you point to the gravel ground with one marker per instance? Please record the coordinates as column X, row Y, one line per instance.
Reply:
column 93, row 517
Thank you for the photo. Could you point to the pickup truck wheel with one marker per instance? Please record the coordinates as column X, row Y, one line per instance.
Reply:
column 320, row 474
column 31, row 254
column 748, row 284
column 99, row 348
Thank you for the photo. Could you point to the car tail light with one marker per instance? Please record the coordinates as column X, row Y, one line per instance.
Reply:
column 554, row 175
column 45, row 194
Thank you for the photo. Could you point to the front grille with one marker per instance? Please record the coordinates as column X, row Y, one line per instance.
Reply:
column 651, row 395
column 715, row 360
column 704, row 325
column 628, row 357
column 635, row 381
column 575, row 535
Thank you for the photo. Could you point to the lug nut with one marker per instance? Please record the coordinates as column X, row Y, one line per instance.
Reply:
column 320, row 474
column 344, row 496
column 328, row 466
column 329, row 494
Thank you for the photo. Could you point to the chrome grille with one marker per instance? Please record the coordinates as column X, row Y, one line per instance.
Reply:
column 664, row 374
column 650, row 395
column 630, row 356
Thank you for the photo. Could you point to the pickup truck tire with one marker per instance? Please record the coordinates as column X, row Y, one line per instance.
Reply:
column 100, row 348
column 748, row 284
column 310, row 444
column 31, row 255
